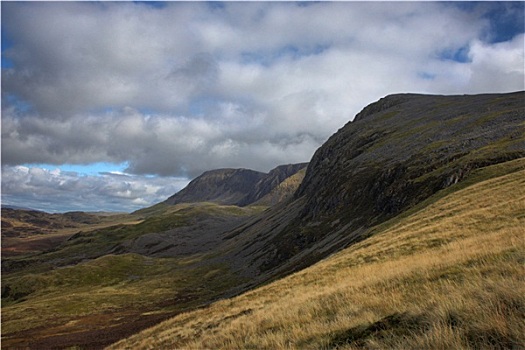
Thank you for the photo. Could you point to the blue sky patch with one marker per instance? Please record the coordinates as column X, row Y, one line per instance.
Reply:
column 84, row 169
column 426, row 75
column 458, row 55
column 20, row 105
column 6, row 44
column 506, row 20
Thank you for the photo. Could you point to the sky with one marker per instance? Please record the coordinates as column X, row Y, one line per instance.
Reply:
column 115, row 106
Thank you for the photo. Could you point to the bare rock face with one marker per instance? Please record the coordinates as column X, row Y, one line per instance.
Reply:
column 283, row 191
column 271, row 181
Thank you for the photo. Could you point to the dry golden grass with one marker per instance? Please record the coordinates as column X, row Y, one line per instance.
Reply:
column 450, row 276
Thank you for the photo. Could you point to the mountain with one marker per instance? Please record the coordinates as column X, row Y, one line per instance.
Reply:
column 411, row 175
column 223, row 186
column 403, row 148
column 233, row 186
column 397, row 152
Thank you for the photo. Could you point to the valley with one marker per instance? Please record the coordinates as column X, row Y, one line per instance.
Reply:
column 405, row 230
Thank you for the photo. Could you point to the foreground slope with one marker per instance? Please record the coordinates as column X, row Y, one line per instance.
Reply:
column 447, row 275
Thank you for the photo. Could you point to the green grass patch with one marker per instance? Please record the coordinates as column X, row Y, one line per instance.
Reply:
column 109, row 284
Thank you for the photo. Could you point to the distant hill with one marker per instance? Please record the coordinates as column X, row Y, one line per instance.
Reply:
column 32, row 231
column 9, row 206
column 21, row 222
column 233, row 186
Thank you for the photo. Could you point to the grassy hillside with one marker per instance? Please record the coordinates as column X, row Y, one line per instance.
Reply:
column 82, row 294
column 447, row 275
column 31, row 231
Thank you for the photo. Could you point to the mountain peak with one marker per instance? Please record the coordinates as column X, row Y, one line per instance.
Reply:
column 233, row 186
column 383, row 104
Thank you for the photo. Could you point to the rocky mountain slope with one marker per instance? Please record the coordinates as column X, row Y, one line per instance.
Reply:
column 233, row 186
column 399, row 151
column 283, row 191
column 270, row 183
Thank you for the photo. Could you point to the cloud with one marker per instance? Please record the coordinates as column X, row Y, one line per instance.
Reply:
column 55, row 190
column 191, row 86
column 498, row 65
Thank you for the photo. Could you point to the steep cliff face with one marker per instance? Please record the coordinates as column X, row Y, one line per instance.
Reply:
column 403, row 148
column 284, row 190
column 398, row 152
column 271, row 182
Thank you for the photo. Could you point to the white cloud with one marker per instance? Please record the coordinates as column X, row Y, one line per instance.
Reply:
column 55, row 190
column 193, row 86
column 499, row 66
